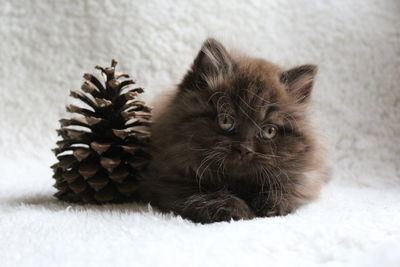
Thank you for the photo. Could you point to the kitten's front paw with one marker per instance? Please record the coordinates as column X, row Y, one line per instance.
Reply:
column 271, row 208
column 236, row 209
column 217, row 207
column 276, row 211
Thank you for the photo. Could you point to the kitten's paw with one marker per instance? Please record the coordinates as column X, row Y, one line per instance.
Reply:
column 272, row 208
column 235, row 209
column 276, row 211
column 217, row 207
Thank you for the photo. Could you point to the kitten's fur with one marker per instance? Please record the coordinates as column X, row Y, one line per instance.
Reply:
column 197, row 172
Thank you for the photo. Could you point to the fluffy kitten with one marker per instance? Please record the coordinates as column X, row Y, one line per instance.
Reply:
column 235, row 142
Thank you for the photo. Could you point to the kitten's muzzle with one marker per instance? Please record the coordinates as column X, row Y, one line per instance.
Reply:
column 245, row 152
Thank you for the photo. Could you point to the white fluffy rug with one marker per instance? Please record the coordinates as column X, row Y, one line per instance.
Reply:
column 47, row 45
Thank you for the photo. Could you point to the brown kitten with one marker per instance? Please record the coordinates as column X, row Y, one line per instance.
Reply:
column 235, row 142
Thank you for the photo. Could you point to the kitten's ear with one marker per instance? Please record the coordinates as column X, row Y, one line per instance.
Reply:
column 212, row 60
column 300, row 81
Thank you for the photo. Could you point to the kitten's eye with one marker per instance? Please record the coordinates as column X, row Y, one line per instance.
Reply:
column 226, row 122
column 268, row 132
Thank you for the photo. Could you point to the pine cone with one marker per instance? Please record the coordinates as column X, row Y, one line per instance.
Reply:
column 102, row 152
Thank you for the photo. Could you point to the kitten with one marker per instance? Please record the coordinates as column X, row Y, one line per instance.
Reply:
column 235, row 141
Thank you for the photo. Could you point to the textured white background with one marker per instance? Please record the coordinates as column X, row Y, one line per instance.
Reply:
column 45, row 46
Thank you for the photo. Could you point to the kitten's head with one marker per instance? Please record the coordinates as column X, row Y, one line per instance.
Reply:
column 239, row 115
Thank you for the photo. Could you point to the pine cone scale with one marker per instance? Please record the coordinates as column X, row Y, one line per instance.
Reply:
column 88, row 169
column 100, row 148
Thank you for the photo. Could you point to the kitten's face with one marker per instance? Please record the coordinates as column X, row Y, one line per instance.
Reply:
column 243, row 127
column 239, row 117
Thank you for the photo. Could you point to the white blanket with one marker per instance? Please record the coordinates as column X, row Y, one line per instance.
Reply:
column 46, row 46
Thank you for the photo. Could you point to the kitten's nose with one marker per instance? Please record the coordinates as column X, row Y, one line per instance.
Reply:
column 245, row 151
